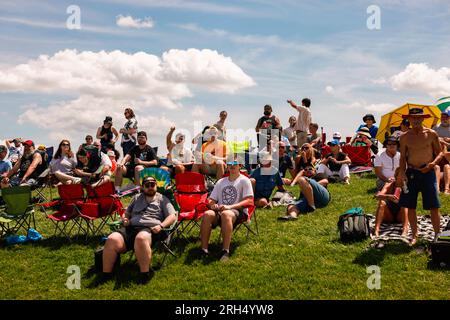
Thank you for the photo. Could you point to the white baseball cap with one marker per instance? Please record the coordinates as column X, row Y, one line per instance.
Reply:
column 337, row 135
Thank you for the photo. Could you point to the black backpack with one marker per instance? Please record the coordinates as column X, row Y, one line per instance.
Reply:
column 440, row 249
column 353, row 225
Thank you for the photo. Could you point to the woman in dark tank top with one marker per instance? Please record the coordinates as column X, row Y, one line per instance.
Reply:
column 107, row 134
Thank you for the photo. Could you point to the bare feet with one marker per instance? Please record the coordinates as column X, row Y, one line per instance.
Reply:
column 413, row 241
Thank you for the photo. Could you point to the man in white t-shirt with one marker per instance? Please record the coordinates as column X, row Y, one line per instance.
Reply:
column 227, row 205
column 387, row 162
column 179, row 158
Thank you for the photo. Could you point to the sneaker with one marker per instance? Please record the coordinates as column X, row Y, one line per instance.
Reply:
column 204, row 253
column 225, row 256
column 287, row 218
column 145, row 277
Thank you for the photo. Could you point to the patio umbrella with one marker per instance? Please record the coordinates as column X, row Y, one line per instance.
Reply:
column 394, row 118
column 443, row 103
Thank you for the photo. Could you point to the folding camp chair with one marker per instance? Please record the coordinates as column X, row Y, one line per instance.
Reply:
column 190, row 192
column 101, row 204
column 246, row 221
column 18, row 212
column 360, row 156
column 66, row 217
column 43, row 182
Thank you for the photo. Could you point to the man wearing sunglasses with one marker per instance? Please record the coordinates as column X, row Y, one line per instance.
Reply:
column 145, row 219
column 313, row 193
column 227, row 205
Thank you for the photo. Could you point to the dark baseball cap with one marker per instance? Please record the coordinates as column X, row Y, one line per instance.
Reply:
column 3, row 149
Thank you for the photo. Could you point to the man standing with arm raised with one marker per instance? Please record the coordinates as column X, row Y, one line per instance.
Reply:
column 419, row 152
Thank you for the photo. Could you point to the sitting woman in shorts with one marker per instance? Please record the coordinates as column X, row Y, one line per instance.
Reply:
column 388, row 208
column 64, row 163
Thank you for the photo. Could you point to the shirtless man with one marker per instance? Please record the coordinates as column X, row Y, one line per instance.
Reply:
column 420, row 152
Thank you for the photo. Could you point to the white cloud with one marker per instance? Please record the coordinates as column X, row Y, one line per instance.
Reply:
column 378, row 108
column 120, row 75
column 329, row 89
column 420, row 77
column 130, row 22
column 106, row 82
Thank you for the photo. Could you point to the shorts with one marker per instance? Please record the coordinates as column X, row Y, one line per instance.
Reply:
column 394, row 208
column 240, row 215
column 129, row 235
column 425, row 183
column 321, row 196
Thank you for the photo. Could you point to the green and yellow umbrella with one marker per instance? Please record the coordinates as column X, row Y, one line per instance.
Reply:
column 395, row 117
column 443, row 103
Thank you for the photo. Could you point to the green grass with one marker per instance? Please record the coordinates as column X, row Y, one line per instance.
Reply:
column 295, row 260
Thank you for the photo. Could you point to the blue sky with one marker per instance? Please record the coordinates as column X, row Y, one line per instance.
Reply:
column 279, row 50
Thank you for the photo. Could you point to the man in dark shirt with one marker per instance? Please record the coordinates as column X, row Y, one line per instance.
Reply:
column 285, row 163
column 264, row 127
column 336, row 163
column 140, row 157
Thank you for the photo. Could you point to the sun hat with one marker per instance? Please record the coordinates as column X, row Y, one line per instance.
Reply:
column 369, row 117
column 416, row 113
column 365, row 132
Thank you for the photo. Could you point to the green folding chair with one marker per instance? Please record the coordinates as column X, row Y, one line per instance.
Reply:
column 18, row 212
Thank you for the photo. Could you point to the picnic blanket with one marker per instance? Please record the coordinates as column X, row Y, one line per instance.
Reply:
column 393, row 231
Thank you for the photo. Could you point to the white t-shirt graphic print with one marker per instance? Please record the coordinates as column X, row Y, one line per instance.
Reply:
column 228, row 192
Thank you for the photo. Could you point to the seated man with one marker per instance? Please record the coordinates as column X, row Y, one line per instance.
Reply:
column 214, row 154
column 264, row 179
column 145, row 219
column 140, row 157
column 285, row 163
column 313, row 138
column 180, row 158
column 227, row 205
column 5, row 164
column 27, row 169
column 387, row 162
column 313, row 194
column 15, row 148
column 94, row 170
column 336, row 162
column 388, row 208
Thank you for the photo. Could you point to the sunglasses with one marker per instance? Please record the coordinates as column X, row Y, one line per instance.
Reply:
column 65, row 145
column 150, row 185
column 391, row 144
column 309, row 169
column 305, row 148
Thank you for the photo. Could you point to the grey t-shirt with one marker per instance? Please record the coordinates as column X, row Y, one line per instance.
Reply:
column 443, row 132
column 149, row 214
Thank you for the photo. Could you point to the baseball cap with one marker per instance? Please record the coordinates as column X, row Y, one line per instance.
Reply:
column 337, row 135
column 333, row 142
column 29, row 143
column 2, row 148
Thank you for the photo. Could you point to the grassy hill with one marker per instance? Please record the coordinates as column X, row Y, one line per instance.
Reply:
column 288, row 260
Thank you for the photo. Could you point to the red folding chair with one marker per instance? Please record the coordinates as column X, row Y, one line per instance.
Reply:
column 67, row 210
column 190, row 192
column 360, row 156
column 102, row 204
